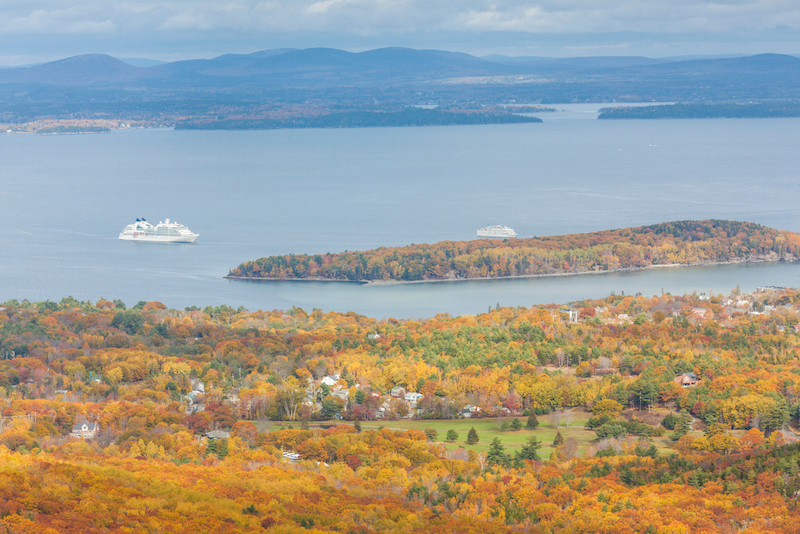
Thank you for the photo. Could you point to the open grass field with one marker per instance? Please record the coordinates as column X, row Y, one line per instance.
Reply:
column 488, row 429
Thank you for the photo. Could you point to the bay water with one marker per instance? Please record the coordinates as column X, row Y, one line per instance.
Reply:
column 65, row 198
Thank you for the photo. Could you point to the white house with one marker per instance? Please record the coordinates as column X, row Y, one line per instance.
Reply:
column 413, row 398
column 84, row 430
column 328, row 381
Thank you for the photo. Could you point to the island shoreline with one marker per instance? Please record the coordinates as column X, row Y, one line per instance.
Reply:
column 514, row 277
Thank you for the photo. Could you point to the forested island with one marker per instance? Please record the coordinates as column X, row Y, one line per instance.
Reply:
column 665, row 414
column 667, row 244
column 364, row 119
column 704, row 111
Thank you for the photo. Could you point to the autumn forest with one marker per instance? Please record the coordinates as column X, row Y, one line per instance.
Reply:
column 668, row 244
column 625, row 414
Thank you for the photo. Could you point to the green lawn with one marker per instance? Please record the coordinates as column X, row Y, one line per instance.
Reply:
column 487, row 429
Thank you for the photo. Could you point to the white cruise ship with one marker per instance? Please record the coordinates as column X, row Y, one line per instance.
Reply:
column 496, row 231
column 163, row 232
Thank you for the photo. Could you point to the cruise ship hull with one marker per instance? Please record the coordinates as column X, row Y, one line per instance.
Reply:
column 158, row 238
column 497, row 231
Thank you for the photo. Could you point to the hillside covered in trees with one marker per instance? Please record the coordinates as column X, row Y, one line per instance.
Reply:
column 674, row 243
column 195, row 410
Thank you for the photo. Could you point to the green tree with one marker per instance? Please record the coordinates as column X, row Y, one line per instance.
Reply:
column 496, row 455
column 777, row 417
column 331, row 406
column 645, row 392
column 211, row 447
column 431, row 434
column 533, row 421
column 670, row 420
column 559, row 439
column 357, row 425
column 516, row 424
column 682, row 425
column 610, row 430
column 472, row 436
column 530, row 449
column 129, row 321
column 452, row 436
column 360, row 396
column 222, row 449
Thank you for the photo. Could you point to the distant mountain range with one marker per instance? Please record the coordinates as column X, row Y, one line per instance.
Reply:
column 300, row 84
column 326, row 67
column 310, row 67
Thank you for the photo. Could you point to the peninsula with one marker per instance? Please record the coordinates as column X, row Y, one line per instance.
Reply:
column 760, row 110
column 365, row 119
column 681, row 243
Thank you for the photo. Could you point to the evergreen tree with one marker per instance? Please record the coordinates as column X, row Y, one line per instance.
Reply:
column 357, row 425
column 682, row 425
column 452, row 435
column 516, row 424
column 559, row 440
column 211, row 447
column 360, row 396
column 670, row 420
column 530, row 449
column 533, row 422
column 472, row 436
column 777, row 417
column 222, row 449
column 496, row 455
column 780, row 484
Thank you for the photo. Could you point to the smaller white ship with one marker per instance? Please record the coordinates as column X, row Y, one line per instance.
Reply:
column 164, row 232
column 496, row 231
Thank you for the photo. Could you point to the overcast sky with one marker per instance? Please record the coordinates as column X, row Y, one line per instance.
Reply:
column 41, row 30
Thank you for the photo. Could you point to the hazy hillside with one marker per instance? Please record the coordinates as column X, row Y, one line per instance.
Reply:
column 310, row 67
column 83, row 70
column 393, row 66
column 288, row 83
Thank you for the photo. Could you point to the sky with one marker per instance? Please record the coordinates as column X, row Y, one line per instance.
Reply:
column 35, row 31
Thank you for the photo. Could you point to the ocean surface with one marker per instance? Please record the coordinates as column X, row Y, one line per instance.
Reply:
column 65, row 198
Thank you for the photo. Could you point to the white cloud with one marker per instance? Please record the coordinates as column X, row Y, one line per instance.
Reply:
column 203, row 28
column 402, row 16
column 82, row 20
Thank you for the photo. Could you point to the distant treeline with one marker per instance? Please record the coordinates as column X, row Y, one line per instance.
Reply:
column 704, row 111
column 62, row 129
column 362, row 119
column 682, row 243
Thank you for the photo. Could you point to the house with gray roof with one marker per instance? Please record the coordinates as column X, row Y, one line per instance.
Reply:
column 84, row 430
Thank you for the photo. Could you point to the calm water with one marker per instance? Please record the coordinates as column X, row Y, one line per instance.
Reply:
column 251, row 194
